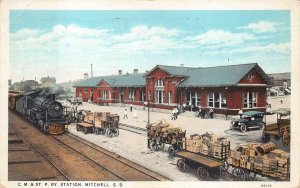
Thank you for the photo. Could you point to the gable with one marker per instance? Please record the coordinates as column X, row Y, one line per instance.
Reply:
column 103, row 83
column 252, row 77
column 158, row 73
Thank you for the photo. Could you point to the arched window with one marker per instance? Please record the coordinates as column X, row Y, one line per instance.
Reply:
column 159, row 82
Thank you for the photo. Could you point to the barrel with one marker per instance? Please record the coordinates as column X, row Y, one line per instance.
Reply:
column 265, row 148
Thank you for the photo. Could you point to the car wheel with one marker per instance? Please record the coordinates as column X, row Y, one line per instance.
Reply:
column 243, row 128
column 261, row 126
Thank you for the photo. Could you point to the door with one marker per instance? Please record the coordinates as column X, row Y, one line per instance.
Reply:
column 122, row 97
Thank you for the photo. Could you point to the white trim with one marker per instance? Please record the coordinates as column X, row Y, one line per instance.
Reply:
column 251, row 84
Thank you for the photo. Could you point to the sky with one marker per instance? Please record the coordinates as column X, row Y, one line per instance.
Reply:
column 64, row 44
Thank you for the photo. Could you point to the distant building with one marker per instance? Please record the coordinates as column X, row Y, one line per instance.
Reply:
column 48, row 81
column 25, row 85
column 281, row 84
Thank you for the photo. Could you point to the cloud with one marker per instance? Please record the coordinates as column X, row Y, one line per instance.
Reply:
column 214, row 39
column 262, row 27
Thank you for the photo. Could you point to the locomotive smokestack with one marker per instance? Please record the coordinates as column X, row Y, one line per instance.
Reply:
column 91, row 70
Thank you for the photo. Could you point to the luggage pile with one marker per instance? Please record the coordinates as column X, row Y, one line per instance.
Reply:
column 208, row 144
column 165, row 132
column 263, row 159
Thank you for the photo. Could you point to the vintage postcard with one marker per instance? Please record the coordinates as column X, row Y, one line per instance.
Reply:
column 149, row 94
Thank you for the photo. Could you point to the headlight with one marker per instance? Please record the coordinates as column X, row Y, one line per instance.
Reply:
column 239, row 123
column 56, row 107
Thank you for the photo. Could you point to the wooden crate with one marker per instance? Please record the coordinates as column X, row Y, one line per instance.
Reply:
column 250, row 166
column 244, row 158
column 243, row 164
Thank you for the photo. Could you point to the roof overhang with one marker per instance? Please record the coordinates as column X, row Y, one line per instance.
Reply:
column 252, row 85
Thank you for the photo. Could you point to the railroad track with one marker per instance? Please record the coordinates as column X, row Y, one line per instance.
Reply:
column 11, row 126
column 133, row 129
column 78, row 159
column 124, row 169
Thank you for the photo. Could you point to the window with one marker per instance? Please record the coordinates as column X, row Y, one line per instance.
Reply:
column 211, row 100
column 188, row 98
column 142, row 96
column 223, row 100
column 217, row 100
column 198, row 98
column 250, row 99
column 159, row 96
column 85, row 90
column 149, row 95
column 131, row 96
column 170, row 97
column 104, row 94
column 159, row 83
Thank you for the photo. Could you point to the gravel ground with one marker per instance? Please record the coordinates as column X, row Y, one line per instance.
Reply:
column 134, row 146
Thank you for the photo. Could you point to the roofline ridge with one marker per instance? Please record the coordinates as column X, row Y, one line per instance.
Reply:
column 175, row 66
column 226, row 65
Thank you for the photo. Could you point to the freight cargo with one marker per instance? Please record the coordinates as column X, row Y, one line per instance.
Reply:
column 262, row 159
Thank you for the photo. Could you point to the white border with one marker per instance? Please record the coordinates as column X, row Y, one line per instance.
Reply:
column 292, row 5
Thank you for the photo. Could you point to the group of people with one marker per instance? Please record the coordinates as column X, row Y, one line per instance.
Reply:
column 203, row 113
column 133, row 110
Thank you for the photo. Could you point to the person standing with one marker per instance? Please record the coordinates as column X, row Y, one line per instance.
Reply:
column 125, row 114
column 199, row 112
column 183, row 107
column 240, row 113
column 130, row 107
column 211, row 113
column 134, row 113
column 174, row 114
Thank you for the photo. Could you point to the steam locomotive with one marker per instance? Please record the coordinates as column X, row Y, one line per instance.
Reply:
column 41, row 108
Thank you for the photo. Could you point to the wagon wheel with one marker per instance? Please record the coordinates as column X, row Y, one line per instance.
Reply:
column 152, row 145
column 109, row 133
column 116, row 132
column 96, row 131
column 261, row 126
column 77, row 127
column 225, row 166
column 251, row 176
column 286, row 138
column 202, row 173
column 85, row 130
column 238, row 174
column 161, row 145
column 181, row 165
column 171, row 151
column 216, row 172
column 243, row 128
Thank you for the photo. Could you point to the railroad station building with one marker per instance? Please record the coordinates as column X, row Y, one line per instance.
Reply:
column 225, row 89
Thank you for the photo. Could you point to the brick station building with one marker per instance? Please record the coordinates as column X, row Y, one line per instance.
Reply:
column 104, row 90
column 225, row 89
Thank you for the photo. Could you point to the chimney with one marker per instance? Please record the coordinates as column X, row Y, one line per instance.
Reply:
column 120, row 72
column 91, row 70
column 181, row 65
column 135, row 71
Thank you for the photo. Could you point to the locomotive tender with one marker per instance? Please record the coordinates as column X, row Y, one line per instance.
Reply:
column 41, row 108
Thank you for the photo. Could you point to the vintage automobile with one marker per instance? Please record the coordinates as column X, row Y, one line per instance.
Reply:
column 249, row 120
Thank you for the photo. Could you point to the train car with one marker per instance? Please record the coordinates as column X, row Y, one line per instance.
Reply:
column 41, row 108
column 13, row 97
